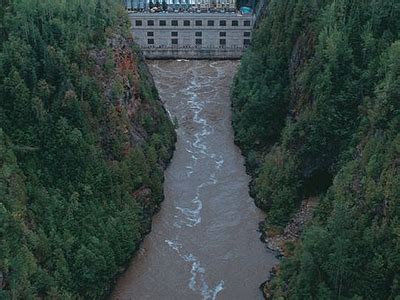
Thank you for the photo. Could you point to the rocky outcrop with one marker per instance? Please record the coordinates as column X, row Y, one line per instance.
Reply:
column 276, row 240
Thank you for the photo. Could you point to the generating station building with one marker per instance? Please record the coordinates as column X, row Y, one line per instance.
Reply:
column 200, row 31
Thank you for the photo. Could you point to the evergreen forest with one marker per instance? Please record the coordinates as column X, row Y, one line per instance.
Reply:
column 317, row 113
column 84, row 140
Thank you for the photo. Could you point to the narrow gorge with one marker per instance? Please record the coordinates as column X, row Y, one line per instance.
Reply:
column 204, row 242
column 124, row 178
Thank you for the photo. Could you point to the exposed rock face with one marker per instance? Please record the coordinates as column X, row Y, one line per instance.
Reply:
column 278, row 241
column 302, row 51
column 121, row 86
column 293, row 230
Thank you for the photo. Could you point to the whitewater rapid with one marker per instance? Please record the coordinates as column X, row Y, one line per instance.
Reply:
column 204, row 243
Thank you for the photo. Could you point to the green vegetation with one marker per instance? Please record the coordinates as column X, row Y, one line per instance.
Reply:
column 83, row 141
column 317, row 113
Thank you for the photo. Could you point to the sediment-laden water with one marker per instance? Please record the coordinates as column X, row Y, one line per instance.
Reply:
column 204, row 242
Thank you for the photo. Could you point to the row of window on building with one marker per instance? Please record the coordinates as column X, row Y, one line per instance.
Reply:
column 210, row 23
column 198, row 42
column 199, row 33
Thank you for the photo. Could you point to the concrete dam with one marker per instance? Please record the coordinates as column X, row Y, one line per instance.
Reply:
column 192, row 35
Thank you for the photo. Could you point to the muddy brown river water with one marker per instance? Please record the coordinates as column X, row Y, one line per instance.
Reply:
column 204, row 242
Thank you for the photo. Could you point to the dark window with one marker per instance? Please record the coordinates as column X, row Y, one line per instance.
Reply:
column 198, row 41
column 222, row 41
column 235, row 23
column 174, row 22
column 150, row 33
column 163, row 23
column 174, row 33
column 174, row 41
column 150, row 41
column 222, row 23
column 138, row 22
column 246, row 42
column 198, row 33
column 150, row 23
column 210, row 23
column 246, row 23
column 186, row 23
column 222, row 34
column 246, row 33
column 199, row 23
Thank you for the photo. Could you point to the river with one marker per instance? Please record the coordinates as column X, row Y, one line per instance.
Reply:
column 204, row 242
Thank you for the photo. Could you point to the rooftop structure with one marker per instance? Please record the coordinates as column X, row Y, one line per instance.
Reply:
column 181, row 5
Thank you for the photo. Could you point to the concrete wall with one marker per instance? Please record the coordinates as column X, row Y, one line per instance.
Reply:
column 190, row 35
column 193, row 54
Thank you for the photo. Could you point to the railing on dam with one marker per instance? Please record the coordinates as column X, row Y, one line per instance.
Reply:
column 195, row 47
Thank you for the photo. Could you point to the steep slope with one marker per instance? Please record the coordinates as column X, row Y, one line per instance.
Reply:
column 316, row 112
column 83, row 143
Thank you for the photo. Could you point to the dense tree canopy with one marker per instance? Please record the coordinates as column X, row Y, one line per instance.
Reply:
column 83, row 140
column 321, row 118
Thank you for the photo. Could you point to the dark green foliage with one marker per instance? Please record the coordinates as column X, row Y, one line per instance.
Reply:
column 337, row 137
column 278, row 185
column 301, row 84
column 80, row 175
column 260, row 94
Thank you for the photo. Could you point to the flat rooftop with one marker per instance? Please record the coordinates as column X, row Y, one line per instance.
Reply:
column 189, row 14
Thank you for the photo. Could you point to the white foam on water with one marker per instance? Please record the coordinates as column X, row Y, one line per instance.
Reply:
column 197, row 281
column 190, row 172
column 213, row 180
column 174, row 245
column 188, row 150
column 220, row 71
column 177, row 225
column 198, row 149
column 193, row 214
column 220, row 163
